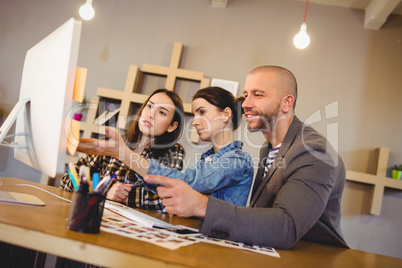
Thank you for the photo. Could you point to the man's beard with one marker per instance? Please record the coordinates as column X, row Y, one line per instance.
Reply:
column 266, row 121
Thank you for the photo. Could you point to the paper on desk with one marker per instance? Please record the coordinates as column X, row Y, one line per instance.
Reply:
column 114, row 223
column 226, row 243
column 79, row 84
column 73, row 136
column 117, row 224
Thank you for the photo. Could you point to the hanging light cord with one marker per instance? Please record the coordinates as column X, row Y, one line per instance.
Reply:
column 305, row 13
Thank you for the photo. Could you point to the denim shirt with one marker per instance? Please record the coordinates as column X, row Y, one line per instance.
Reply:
column 226, row 175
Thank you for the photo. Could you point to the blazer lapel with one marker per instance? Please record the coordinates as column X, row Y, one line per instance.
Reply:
column 260, row 182
column 261, row 165
column 264, row 180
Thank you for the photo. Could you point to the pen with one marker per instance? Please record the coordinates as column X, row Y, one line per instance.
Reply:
column 74, row 173
column 73, row 181
column 95, row 180
column 84, row 187
column 88, row 176
column 82, row 173
column 101, row 184
column 109, row 184
column 105, row 184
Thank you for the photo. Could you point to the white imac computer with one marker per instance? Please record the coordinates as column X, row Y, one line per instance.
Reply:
column 45, row 101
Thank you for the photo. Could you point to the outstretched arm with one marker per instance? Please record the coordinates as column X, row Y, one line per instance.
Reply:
column 115, row 147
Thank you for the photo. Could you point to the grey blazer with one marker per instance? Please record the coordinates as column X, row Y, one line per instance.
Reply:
column 299, row 198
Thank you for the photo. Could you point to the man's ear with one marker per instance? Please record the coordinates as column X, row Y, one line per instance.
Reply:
column 287, row 103
column 172, row 127
column 227, row 113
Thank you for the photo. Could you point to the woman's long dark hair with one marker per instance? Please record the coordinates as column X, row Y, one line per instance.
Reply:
column 221, row 98
column 162, row 143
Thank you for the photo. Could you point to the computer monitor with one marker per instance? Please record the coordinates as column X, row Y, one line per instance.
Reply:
column 46, row 98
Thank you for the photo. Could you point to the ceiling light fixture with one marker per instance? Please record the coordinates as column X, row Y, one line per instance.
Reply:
column 86, row 11
column 302, row 40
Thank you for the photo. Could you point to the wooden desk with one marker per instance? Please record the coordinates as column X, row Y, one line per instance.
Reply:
column 43, row 229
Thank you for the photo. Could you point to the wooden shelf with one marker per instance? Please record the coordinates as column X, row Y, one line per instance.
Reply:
column 379, row 180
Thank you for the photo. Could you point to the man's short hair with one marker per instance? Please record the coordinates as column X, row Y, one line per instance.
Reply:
column 288, row 79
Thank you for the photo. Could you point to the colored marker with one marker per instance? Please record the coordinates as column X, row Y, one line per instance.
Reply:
column 82, row 173
column 73, row 181
column 88, row 175
column 95, row 180
column 74, row 173
column 108, row 185
column 101, row 184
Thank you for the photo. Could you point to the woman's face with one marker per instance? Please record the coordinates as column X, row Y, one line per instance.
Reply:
column 157, row 115
column 208, row 120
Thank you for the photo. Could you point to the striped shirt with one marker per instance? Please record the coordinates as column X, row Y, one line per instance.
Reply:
column 271, row 157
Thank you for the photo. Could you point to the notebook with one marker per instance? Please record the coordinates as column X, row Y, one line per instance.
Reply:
column 20, row 198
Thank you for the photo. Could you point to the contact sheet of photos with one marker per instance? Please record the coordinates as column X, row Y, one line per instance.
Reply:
column 119, row 225
column 225, row 243
column 169, row 239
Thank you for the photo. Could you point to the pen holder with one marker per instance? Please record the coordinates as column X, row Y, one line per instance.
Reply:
column 86, row 212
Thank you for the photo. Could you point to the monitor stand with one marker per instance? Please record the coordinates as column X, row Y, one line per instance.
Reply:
column 22, row 106
column 10, row 120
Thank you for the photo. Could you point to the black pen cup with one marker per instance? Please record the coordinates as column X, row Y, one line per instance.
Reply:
column 86, row 212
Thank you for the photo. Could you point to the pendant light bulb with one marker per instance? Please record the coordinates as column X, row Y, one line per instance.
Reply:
column 302, row 40
column 86, row 11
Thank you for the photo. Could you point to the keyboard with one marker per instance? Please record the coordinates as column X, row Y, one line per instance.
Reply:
column 137, row 216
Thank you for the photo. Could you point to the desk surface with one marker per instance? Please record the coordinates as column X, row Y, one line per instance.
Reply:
column 43, row 229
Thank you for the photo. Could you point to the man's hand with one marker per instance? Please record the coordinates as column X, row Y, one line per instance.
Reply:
column 118, row 192
column 178, row 197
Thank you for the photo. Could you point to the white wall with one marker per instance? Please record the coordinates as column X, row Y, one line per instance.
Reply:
column 360, row 69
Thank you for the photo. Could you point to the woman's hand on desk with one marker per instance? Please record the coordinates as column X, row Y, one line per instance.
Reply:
column 178, row 197
column 118, row 192
column 114, row 146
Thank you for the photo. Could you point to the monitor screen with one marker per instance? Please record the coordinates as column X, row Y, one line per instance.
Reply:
column 47, row 84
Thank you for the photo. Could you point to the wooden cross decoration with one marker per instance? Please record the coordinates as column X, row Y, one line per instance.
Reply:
column 173, row 72
column 128, row 96
column 378, row 180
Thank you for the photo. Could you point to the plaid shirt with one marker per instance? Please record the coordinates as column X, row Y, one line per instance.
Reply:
column 139, row 196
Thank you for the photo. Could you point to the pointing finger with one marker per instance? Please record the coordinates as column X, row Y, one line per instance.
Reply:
column 165, row 181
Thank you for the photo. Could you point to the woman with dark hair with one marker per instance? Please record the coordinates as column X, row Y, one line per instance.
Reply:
column 153, row 134
column 135, row 135
column 224, row 171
